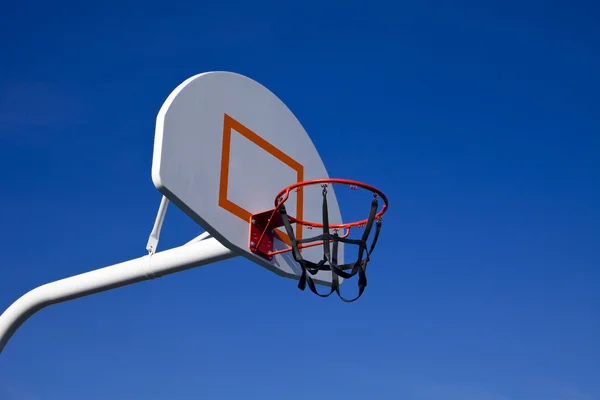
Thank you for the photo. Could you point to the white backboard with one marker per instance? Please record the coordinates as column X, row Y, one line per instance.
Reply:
column 224, row 147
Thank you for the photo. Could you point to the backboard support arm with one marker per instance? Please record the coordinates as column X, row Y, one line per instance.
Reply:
column 202, row 236
column 187, row 256
column 155, row 234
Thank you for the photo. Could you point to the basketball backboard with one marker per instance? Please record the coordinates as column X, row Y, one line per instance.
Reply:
column 224, row 147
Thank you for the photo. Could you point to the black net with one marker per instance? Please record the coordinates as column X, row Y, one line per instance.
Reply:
column 331, row 241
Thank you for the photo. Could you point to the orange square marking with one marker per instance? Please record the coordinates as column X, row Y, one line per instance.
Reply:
column 229, row 124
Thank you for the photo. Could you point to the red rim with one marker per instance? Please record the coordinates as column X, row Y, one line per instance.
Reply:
column 285, row 193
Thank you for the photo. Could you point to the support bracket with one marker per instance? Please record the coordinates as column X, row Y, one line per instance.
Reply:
column 262, row 233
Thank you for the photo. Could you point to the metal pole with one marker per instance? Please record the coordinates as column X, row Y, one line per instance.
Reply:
column 129, row 272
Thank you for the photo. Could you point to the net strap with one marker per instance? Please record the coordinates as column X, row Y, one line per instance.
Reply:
column 331, row 241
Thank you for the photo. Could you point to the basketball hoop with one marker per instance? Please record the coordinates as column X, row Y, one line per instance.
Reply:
column 262, row 236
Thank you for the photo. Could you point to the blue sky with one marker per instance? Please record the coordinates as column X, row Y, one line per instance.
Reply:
column 478, row 119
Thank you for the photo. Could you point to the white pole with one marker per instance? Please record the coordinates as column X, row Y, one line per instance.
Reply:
column 148, row 267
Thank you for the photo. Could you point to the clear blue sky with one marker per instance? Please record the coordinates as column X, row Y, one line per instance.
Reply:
column 480, row 120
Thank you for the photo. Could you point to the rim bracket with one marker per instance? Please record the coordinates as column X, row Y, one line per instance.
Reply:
column 262, row 232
